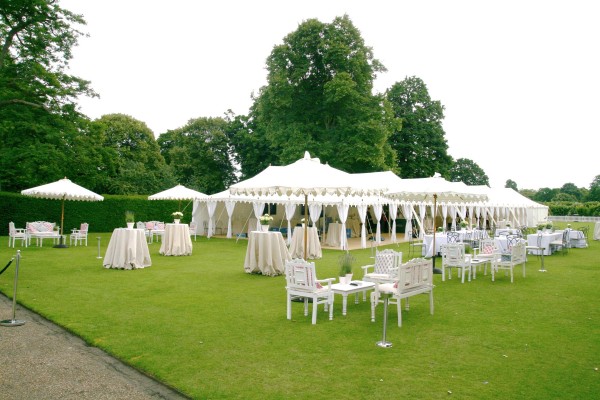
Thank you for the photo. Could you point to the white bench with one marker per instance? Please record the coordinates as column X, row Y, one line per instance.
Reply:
column 40, row 230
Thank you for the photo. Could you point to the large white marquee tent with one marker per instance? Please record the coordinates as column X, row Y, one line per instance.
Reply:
column 236, row 211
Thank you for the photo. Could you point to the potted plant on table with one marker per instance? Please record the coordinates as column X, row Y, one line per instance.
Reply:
column 346, row 260
column 463, row 224
column 177, row 216
column 129, row 219
column 264, row 222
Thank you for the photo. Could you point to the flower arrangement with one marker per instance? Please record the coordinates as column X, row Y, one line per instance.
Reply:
column 177, row 214
column 129, row 216
column 265, row 219
column 541, row 226
column 463, row 224
column 549, row 225
column 440, row 229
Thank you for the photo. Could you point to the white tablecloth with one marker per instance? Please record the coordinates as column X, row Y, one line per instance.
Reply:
column 532, row 240
column 334, row 230
column 597, row 231
column 127, row 249
column 266, row 253
column 313, row 244
column 176, row 240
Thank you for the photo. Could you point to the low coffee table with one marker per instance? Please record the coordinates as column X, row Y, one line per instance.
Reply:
column 353, row 287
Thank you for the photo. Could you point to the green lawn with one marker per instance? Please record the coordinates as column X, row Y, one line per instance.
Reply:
column 203, row 326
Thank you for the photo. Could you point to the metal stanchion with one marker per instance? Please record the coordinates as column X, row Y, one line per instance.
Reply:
column 99, row 256
column 383, row 342
column 13, row 321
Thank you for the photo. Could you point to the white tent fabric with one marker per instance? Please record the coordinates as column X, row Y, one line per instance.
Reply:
column 178, row 192
column 62, row 189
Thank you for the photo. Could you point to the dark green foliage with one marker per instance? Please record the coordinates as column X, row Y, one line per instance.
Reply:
column 468, row 172
column 318, row 98
column 420, row 147
column 198, row 153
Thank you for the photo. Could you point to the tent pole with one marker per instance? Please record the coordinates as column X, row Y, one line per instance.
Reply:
column 435, row 270
column 305, row 226
column 62, row 220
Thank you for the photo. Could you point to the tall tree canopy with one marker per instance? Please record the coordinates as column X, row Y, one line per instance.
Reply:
column 594, row 193
column 136, row 165
column 319, row 98
column 511, row 184
column 468, row 172
column 198, row 153
column 41, row 130
column 421, row 148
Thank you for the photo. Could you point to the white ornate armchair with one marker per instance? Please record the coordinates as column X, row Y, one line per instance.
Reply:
column 15, row 234
column 385, row 268
column 80, row 234
column 414, row 277
column 194, row 229
column 517, row 256
column 302, row 283
column 453, row 256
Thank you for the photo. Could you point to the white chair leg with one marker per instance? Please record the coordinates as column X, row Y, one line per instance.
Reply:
column 314, row 311
column 289, row 306
column 399, row 306
column 331, row 299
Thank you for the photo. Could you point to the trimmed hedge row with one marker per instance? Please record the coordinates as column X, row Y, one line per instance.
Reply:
column 589, row 209
column 103, row 216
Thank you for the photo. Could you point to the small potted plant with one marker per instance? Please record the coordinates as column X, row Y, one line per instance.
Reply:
column 177, row 216
column 549, row 226
column 541, row 226
column 264, row 222
column 439, row 229
column 346, row 260
column 463, row 224
column 129, row 219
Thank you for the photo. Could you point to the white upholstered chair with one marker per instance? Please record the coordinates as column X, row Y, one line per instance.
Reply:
column 302, row 283
column 414, row 277
column 79, row 235
column 453, row 256
column 385, row 267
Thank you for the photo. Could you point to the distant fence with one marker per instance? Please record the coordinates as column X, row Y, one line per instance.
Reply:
column 573, row 218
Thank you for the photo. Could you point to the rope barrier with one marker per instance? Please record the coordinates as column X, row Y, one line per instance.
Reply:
column 7, row 265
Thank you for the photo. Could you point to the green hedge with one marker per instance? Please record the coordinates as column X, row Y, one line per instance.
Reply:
column 589, row 209
column 103, row 216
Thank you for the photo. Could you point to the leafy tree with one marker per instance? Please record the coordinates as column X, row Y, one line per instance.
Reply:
column 511, row 184
column 571, row 189
column 545, row 194
column 136, row 166
column 319, row 98
column 41, row 130
column 529, row 193
column 468, row 172
column 562, row 196
column 420, row 146
column 199, row 154
column 594, row 193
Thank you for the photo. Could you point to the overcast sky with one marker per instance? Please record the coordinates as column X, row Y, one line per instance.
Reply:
column 520, row 80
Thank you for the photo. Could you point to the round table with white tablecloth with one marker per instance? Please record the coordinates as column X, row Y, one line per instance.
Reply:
column 176, row 240
column 266, row 253
column 127, row 249
column 313, row 247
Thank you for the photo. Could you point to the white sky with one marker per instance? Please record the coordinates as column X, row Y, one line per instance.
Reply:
column 519, row 79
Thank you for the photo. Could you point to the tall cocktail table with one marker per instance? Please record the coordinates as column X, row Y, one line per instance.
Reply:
column 353, row 287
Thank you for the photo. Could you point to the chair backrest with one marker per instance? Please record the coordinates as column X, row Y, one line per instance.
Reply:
column 84, row 227
column 584, row 230
column 487, row 246
column 453, row 254
column 140, row 225
column 193, row 227
column 518, row 253
column 511, row 241
column 387, row 262
column 414, row 273
column 160, row 226
column 539, row 240
column 11, row 228
column 453, row 237
column 301, row 275
column 150, row 225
